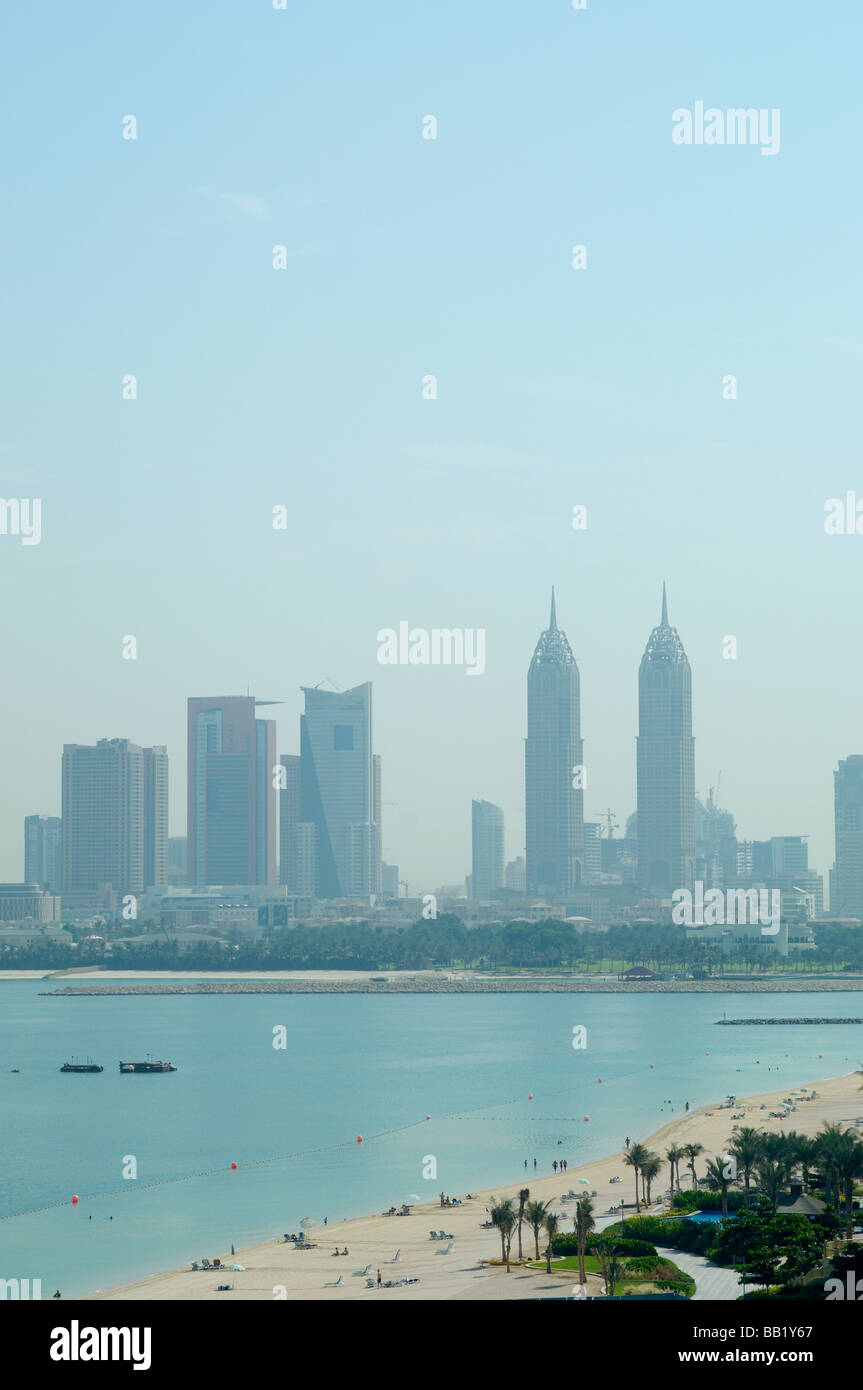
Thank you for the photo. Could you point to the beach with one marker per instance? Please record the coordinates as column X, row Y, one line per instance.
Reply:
column 277, row 1270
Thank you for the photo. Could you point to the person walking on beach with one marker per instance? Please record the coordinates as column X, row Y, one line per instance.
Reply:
column 687, row 1107
column 554, row 1165
column 534, row 1163
column 379, row 1278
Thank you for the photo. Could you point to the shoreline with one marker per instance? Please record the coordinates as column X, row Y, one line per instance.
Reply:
column 275, row 1270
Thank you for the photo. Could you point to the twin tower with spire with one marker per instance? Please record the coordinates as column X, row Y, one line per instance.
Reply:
column 556, row 776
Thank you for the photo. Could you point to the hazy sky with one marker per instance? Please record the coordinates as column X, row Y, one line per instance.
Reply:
column 302, row 387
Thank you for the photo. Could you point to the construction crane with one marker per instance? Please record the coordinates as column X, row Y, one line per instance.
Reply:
column 611, row 823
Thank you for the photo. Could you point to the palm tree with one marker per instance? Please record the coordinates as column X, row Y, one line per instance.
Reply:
column 692, row 1151
column 674, row 1154
column 849, row 1167
column 635, row 1156
column 719, row 1181
column 771, row 1177
column 522, row 1199
column 805, row 1155
column 551, row 1222
column 649, row 1173
column 535, row 1215
column 746, row 1148
column 830, row 1148
column 583, row 1226
column 504, row 1218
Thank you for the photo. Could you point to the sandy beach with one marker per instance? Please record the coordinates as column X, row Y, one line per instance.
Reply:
column 276, row 1270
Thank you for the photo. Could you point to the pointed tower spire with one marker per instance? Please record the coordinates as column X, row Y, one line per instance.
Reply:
column 553, row 622
column 664, row 622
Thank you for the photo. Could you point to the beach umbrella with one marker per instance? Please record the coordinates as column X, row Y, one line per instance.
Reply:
column 307, row 1221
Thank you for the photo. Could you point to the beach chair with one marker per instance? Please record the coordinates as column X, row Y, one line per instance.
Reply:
column 195, row 1264
column 433, row 1235
column 370, row 1283
column 396, row 1257
column 361, row 1272
column 333, row 1283
column 448, row 1250
column 205, row 1264
column 217, row 1264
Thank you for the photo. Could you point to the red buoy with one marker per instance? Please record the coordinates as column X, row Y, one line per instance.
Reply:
column 428, row 1117
column 233, row 1165
column 599, row 1080
column 651, row 1066
column 359, row 1138
column 530, row 1097
column 74, row 1201
column 587, row 1119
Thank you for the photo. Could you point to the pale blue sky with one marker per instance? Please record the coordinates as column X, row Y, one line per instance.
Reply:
column 257, row 387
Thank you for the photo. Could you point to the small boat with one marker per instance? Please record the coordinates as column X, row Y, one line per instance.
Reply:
column 16, row 1069
column 81, row 1066
column 146, row 1066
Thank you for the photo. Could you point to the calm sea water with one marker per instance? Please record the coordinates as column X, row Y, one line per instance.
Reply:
column 354, row 1065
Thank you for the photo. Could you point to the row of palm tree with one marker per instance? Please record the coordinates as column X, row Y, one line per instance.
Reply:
column 539, row 1217
column 649, row 1165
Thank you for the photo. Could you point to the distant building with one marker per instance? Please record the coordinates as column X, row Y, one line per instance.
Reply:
column 340, row 791
column 553, row 765
column 43, row 851
column 487, row 844
column 389, row 880
column 178, row 871
column 27, row 902
column 846, row 879
column 666, row 763
column 514, row 875
column 592, row 851
column 231, row 807
column 114, row 816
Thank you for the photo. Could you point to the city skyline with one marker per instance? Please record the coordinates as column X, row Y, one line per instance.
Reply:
column 663, row 641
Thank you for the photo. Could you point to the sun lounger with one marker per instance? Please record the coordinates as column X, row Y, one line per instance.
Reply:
column 195, row 1264
column 223, row 1288
column 396, row 1257
column 370, row 1283
column 205, row 1264
column 448, row 1250
column 333, row 1283
column 361, row 1272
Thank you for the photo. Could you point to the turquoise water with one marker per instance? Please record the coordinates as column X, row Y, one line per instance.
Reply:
column 353, row 1065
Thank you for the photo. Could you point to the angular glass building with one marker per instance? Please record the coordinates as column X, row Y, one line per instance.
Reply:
column 666, row 763
column 340, row 791
column 554, row 807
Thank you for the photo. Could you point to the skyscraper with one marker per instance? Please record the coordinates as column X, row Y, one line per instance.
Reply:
column 487, row 844
column 43, row 851
column 846, row 878
column 231, row 813
column 115, row 798
column 666, row 763
column 340, row 790
column 553, row 762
